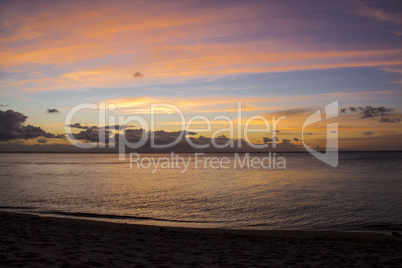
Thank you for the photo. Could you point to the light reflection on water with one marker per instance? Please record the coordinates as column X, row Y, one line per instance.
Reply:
column 364, row 192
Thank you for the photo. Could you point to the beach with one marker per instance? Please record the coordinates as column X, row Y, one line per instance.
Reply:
column 200, row 133
column 36, row 241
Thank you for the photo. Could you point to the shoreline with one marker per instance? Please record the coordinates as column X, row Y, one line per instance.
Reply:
column 153, row 225
column 32, row 240
column 276, row 233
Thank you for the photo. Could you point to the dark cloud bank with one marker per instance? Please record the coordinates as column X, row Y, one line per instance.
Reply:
column 161, row 137
column 370, row 111
column 11, row 127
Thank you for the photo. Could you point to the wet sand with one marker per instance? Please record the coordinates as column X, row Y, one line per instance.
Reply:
column 32, row 241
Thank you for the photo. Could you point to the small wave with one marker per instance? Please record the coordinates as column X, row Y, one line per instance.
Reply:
column 118, row 217
column 362, row 226
column 259, row 224
column 382, row 226
column 5, row 207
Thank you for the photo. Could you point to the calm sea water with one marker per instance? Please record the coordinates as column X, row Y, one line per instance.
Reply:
column 363, row 193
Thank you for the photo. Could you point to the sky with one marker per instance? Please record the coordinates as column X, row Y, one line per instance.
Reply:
column 276, row 58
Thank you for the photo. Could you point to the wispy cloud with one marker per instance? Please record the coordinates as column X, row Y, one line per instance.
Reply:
column 96, row 47
column 390, row 120
column 369, row 111
column 392, row 16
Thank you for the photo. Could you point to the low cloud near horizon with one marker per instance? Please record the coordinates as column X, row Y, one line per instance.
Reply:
column 368, row 111
column 94, row 133
column 11, row 127
column 52, row 111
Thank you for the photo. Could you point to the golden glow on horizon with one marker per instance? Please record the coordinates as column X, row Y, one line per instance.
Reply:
column 55, row 53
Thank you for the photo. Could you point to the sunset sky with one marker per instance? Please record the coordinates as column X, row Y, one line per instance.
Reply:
column 275, row 57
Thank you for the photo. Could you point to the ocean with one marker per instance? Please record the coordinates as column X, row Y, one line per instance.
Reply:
column 215, row 190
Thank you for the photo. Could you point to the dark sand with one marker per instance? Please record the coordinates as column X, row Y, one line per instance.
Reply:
column 33, row 241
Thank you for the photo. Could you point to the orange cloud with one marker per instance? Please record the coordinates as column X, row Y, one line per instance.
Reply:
column 167, row 44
